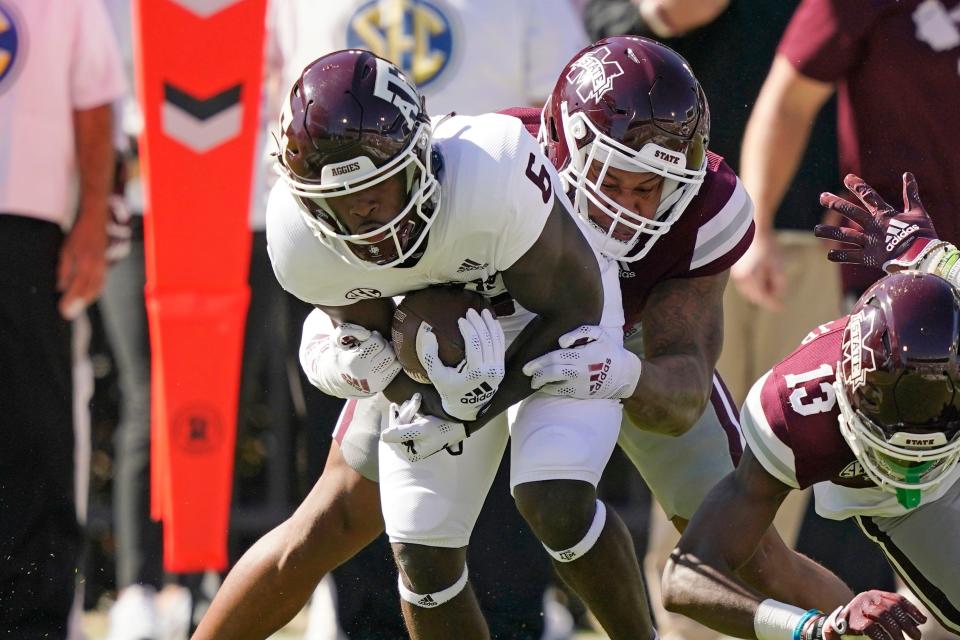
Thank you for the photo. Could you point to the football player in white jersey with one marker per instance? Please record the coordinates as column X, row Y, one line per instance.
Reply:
column 867, row 411
column 688, row 439
column 377, row 201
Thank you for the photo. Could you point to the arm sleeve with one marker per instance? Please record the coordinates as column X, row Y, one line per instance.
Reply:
column 554, row 34
column 824, row 38
column 96, row 73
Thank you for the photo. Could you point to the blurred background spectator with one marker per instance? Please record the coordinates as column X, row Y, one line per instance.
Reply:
column 59, row 73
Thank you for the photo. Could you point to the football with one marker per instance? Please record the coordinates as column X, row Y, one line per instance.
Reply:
column 440, row 307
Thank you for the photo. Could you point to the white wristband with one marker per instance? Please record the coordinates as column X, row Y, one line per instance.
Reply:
column 776, row 620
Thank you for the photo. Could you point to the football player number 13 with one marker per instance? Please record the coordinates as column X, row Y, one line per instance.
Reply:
column 802, row 398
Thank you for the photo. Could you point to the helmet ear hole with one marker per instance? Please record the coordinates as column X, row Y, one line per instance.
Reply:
column 554, row 134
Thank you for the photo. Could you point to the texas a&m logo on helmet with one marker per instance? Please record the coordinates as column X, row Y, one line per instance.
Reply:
column 351, row 121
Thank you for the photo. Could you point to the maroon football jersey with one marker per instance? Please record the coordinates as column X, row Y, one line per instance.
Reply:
column 790, row 417
column 714, row 231
column 895, row 64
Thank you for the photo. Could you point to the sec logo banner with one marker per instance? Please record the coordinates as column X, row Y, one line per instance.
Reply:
column 416, row 35
column 11, row 46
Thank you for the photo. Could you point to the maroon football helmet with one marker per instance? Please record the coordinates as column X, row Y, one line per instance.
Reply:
column 898, row 382
column 353, row 120
column 633, row 104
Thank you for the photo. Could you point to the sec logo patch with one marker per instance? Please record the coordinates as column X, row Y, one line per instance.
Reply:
column 418, row 36
column 12, row 41
column 362, row 293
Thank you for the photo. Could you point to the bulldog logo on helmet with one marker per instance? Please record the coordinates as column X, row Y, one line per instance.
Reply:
column 594, row 74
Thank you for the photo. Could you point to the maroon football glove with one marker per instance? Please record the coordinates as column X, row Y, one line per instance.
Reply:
column 886, row 237
column 876, row 614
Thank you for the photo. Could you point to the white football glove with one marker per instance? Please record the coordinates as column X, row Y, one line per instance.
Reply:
column 588, row 365
column 420, row 436
column 466, row 388
column 349, row 361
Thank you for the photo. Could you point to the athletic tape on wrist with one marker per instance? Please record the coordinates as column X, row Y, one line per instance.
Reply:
column 776, row 620
column 593, row 533
column 431, row 600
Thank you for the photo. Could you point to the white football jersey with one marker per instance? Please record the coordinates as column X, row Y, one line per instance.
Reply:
column 491, row 212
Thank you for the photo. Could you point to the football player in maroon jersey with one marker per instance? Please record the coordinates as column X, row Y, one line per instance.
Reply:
column 627, row 126
column 866, row 410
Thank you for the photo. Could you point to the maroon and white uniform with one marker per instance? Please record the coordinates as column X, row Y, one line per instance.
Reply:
column 896, row 63
column 790, row 423
column 714, row 231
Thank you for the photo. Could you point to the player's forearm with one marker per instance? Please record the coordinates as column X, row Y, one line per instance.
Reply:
column 95, row 158
column 682, row 338
column 560, row 280
column 776, row 137
column 729, row 541
column 805, row 584
column 670, row 395
column 537, row 338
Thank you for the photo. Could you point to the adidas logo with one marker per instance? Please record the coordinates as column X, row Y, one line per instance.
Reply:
column 480, row 394
column 358, row 384
column 625, row 270
column 598, row 374
column 897, row 231
column 470, row 265
column 427, row 601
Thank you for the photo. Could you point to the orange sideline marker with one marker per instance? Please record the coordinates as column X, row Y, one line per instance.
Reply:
column 198, row 83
